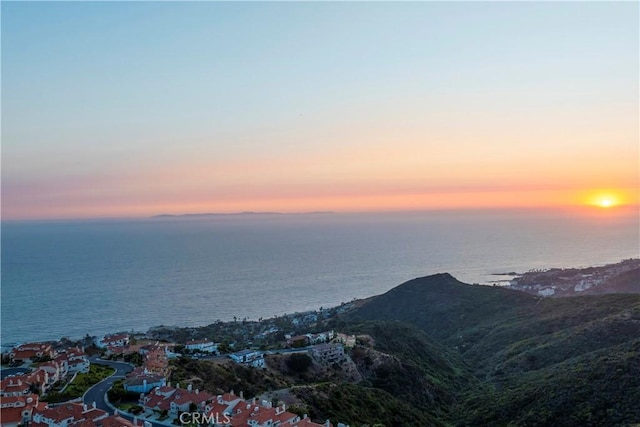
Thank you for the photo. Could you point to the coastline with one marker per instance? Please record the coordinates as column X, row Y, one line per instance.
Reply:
column 506, row 283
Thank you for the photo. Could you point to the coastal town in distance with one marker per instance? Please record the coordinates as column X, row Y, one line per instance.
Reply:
column 146, row 379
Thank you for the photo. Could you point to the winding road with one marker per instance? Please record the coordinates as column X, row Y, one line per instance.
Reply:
column 98, row 392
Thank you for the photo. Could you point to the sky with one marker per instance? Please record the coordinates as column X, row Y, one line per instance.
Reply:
column 131, row 109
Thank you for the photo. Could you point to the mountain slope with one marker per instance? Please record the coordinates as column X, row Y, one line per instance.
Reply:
column 531, row 356
column 441, row 305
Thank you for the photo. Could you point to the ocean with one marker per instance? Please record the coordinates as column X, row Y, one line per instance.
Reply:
column 70, row 278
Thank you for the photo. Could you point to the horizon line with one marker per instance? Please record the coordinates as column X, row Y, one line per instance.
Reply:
column 194, row 215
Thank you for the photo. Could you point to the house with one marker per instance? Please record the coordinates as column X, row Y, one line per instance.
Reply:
column 223, row 410
column 183, row 400
column 55, row 371
column 24, row 384
column 26, row 352
column 321, row 337
column 299, row 341
column 202, row 345
column 116, row 340
column 62, row 362
column 68, row 414
column 14, row 386
column 143, row 382
column 39, row 381
column 79, row 365
column 328, row 353
column 156, row 361
column 248, row 357
column 175, row 400
column 118, row 421
column 250, row 413
column 347, row 340
column 76, row 360
column 17, row 410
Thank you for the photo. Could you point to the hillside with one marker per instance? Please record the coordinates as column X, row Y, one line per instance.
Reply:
column 411, row 379
column 441, row 305
column 527, row 353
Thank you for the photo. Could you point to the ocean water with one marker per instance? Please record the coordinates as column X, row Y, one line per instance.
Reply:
column 73, row 278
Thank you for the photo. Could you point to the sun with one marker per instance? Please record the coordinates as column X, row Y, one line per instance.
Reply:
column 604, row 200
column 606, row 203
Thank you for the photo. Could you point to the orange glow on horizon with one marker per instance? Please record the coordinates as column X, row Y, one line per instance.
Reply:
column 534, row 199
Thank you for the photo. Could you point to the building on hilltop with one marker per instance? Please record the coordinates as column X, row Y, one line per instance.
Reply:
column 249, row 358
column 328, row 353
column 202, row 345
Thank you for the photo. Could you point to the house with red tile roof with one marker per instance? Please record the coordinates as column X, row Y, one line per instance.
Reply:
column 115, row 340
column 26, row 352
column 118, row 421
column 38, row 380
column 75, row 360
column 183, row 400
column 22, row 384
column 68, row 414
column 176, row 400
column 55, row 370
column 223, row 410
column 156, row 361
column 14, row 386
column 17, row 410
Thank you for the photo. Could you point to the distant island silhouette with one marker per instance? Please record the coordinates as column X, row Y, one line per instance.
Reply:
column 198, row 215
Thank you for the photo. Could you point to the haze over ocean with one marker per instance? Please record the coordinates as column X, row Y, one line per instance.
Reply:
column 72, row 278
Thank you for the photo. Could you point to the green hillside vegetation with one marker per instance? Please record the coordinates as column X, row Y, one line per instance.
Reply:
column 569, row 361
column 218, row 378
column 440, row 305
column 359, row 406
column 424, row 372
column 599, row 388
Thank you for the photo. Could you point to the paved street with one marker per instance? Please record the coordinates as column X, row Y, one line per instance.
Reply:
column 97, row 392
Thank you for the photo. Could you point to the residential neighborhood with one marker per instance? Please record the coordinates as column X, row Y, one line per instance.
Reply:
column 41, row 370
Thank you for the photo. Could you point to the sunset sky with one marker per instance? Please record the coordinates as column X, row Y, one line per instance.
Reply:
column 128, row 109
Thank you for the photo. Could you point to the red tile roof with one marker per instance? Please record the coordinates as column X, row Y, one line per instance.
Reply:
column 19, row 404
column 117, row 421
column 74, row 411
column 306, row 422
column 24, row 354
column 11, row 415
column 16, row 384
